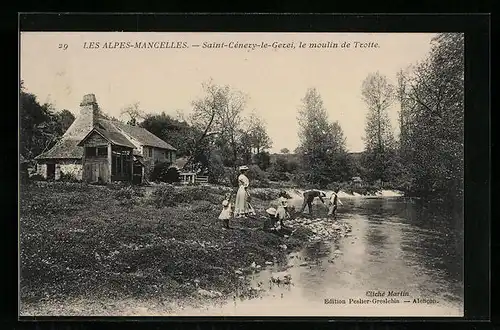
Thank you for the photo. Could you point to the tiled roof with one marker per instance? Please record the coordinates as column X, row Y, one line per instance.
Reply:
column 110, row 134
column 68, row 147
column 180, row 162
column 142, row 135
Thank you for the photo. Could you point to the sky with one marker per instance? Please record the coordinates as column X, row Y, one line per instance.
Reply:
column 61, row 67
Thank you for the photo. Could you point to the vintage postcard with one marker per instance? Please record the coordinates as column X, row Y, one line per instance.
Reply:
column 241, row 174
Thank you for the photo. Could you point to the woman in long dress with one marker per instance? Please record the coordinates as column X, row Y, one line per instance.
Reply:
column 241, row 206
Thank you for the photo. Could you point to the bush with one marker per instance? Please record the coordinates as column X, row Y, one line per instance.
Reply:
column 68, row 177
column 168, row 195
column 334, row 186
column 216, row 171
column 164, row 196
column 163, row 172
column 278, row 176
column 255, row 173
column 264, row 194
column 125, row 193
column 231, row 176
column 196, row 193
column 37, row 177
column 203, row 207
column 261, row 183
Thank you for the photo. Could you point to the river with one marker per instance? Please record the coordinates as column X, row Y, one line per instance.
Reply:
column 397, row 244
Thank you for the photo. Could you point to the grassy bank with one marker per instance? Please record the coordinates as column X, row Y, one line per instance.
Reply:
column 81, row 241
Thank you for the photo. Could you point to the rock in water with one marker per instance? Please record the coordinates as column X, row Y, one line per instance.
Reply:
column 268, row 262
column 338, row 252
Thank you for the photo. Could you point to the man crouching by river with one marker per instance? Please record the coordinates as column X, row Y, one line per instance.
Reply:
column 309, row 196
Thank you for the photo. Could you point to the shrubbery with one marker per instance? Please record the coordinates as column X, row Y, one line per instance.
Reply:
column 216, row 171
column 278, row 176
column 37, row 177
column 164, row 196
column 168, row 195
column 68, row 177
column 203, row 207
column 163, row 172
column 255, row 173
column 264, row 194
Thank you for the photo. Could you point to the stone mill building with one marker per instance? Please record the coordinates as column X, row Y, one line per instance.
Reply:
column 96, row 149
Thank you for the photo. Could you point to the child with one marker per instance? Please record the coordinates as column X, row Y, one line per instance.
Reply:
column 271, row 212
column 225, row 214
column 334, row 201
column 281, row 211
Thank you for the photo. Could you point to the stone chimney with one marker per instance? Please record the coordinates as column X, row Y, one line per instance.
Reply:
column 89, row 108
column 85, row 120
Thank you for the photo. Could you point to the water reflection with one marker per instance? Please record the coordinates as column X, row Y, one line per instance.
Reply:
column 396, row 244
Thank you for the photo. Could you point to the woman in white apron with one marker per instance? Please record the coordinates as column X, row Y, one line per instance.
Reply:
column 241, row 206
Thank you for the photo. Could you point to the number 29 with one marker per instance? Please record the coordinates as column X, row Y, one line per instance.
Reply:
column 63, row 46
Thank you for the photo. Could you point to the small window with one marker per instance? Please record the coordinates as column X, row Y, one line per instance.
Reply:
column 90, row 152
column 102, row 151
column 150, row 152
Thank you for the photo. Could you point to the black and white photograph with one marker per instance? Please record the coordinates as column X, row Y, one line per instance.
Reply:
column 241, row 174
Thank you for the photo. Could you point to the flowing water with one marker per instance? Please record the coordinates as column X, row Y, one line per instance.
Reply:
column 396, row 244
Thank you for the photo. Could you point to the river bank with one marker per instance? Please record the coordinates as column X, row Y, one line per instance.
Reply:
column 112, row 245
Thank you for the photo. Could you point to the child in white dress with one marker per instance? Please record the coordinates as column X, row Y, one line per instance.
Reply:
column 225, row 214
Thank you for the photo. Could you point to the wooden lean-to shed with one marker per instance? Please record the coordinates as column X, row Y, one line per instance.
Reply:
column 108, row 155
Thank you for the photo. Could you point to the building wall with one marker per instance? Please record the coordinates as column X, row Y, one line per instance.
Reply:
column 69, row 167
column 158, row 155
column 41, row 169
column 95, row 168
column 62, row 166
column 95, row 140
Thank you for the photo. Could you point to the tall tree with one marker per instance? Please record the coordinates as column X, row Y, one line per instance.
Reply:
column 285, row 151
column 220, row 112
column 245, row 146
column 435, row 139
column 133, row 112
column 378, row 95
column 259, row 138
column 39, row 129
column 203, row 117
column 178, row 133
column 65, row 118
column 321, row 142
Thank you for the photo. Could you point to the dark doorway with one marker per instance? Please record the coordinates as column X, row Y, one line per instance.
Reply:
column 137, row 174
column 51, row 171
